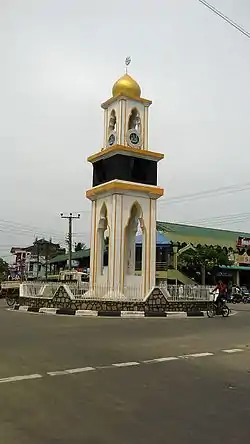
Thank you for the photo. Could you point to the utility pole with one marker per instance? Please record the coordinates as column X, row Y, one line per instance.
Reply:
column 70, row 217
column 37, row 257
column 47, row 251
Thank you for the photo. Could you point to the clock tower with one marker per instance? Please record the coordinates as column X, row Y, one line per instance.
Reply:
column 124, row 194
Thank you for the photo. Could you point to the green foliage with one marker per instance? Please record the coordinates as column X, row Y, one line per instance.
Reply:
column 204, row 256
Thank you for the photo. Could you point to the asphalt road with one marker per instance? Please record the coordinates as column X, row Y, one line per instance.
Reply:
column 96, row 380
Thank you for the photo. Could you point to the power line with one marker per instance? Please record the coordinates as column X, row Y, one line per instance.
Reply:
column 220, row 191
column 224, row 17
column 232, row 218
column 25, row 227
column 19, row 227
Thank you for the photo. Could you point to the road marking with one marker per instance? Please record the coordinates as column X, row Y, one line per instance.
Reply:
column 58, row 373
column 233, row 350
column 169, row 358
column 20, row 378
column 197, row 355
column 118, row 365
column 80, row 370
column 70, row 371
column 126, row 364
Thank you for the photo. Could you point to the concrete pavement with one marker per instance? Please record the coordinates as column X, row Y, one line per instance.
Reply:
column 191, row 399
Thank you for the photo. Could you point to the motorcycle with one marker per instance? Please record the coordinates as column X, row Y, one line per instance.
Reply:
column 246, row 299
column 236, row 298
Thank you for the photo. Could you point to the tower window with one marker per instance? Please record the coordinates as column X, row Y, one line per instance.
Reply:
column 112, row 121
column 134, row 120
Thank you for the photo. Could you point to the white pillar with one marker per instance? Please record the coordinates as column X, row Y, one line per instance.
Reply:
column 122, row 123
column 238, row 278
column 145, row 128
column 105, row 136
column 93, row 244
column 152, row 243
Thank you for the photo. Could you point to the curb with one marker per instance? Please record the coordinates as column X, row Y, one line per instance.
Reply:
column 117, row 314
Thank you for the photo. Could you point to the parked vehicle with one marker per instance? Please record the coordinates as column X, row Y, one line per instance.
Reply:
column 245, row 291
column 245, row 295
column 239, row 294
column 246, row 299
column 236, row 295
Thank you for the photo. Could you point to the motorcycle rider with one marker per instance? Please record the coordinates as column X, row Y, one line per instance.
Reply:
column 222, row 289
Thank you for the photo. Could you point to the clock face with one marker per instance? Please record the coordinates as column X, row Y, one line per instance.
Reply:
column 111, row 139
column 133, row 138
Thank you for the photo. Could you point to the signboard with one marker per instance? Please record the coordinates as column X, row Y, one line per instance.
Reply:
column 243, row 242
column 243, row 259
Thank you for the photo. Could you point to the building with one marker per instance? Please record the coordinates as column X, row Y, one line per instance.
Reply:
column 33, row 262
column 80, row 261
column 236, row 244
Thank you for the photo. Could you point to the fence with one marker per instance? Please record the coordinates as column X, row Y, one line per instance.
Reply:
column 187, row 292
column 106, row 292
column 78, row 290
column 38, row 289
column 10, row 284
column 109, row 293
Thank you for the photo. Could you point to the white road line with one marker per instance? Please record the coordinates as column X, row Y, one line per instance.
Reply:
column 126, row 364
column 119, row 364
column 233, row 350
column 20, row 378
column 70, row 371
column 80, row 370
column 58, row 373
column 169, row 358
column 197, row 355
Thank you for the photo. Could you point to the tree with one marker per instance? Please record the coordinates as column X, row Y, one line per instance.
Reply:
column 3, row 269
column 204, row 258
column 79, row 246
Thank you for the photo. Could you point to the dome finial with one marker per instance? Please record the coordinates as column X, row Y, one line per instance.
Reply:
column 126, row 85
column 127, row 62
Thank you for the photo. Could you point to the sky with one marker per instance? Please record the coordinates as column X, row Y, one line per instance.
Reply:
column 59, row 60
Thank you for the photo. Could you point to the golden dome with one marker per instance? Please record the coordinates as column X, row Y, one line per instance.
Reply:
column 127, row 86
